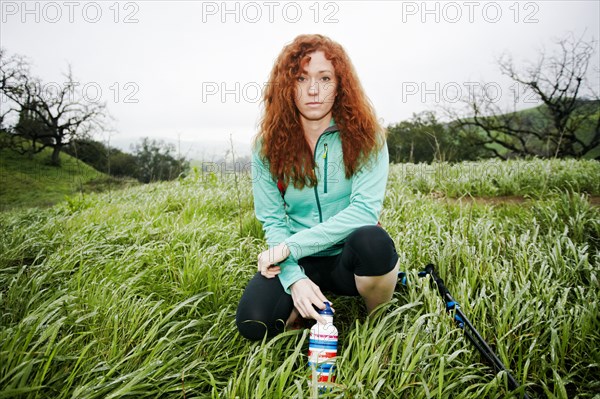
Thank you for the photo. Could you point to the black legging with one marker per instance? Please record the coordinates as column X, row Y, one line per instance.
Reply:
column 265, row 306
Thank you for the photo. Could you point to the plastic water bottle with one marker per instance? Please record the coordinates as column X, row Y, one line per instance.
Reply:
column 322, row 350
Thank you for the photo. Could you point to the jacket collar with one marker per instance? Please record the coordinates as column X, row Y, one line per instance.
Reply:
column 332, row 127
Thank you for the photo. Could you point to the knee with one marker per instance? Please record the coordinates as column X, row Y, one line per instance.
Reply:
column 374, row 249
column 368, row 233
column 253, row 330
column 254, row 325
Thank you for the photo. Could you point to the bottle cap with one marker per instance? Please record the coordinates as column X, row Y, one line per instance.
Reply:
column 327, row 311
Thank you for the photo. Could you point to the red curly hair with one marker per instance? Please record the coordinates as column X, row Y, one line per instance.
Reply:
column 281, row 133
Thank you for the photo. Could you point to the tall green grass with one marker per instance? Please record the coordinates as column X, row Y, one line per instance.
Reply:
column 530, row 178
column 134, row 294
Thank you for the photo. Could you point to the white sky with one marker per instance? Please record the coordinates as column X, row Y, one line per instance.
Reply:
column 194, row 68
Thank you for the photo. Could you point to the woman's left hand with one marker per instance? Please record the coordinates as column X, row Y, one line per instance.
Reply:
column 268, row 259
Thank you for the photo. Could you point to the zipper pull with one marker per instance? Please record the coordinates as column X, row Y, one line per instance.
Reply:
column 325, row 154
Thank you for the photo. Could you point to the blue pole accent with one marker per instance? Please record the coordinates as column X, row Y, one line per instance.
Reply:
column 402, row 277
column 459, row 321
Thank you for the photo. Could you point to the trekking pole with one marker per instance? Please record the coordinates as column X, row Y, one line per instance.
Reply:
column 462, row 321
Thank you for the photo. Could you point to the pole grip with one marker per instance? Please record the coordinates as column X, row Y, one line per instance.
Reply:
column 429, row 269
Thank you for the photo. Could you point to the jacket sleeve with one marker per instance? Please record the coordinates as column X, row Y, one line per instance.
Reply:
column 269, row 210
column 366, row 202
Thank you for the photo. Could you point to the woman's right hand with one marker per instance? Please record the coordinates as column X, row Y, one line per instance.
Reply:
column 305, row 294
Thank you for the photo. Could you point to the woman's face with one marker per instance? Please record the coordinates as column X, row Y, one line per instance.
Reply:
column 316, row 88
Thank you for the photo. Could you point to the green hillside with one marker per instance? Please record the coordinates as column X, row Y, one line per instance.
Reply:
column 134, row 294
column 31, row 182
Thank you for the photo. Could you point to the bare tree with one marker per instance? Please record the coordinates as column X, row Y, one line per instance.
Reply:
column 567, row 123
column 50, row 115
column 14, row 72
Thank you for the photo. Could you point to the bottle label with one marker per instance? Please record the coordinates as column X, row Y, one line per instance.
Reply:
column 322, row 351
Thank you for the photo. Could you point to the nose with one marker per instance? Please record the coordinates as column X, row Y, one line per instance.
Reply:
column 313, row 89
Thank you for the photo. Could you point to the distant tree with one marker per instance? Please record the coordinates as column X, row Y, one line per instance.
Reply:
column 103, row 158
column 14, row 71
column 425, row 139
column 49, row 115
column 123, row 164
column 92, row 152
column 32, row 128
column 567, row 124
column 5, row 138
column 155, row 160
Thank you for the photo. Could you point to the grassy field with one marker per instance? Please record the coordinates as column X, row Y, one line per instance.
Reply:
column 31, row 181
column 134, row 294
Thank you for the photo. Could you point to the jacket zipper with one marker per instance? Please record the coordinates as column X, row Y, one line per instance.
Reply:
column 316, row 187
column 325, row 178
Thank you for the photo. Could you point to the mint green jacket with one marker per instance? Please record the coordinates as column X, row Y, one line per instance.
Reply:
column 316, row 220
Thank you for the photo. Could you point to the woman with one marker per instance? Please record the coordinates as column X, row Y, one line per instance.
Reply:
column 320, row 166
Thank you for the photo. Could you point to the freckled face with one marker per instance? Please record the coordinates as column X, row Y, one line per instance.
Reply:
column 316, row 88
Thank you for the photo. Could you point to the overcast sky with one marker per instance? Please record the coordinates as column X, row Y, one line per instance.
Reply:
column 193, row 70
